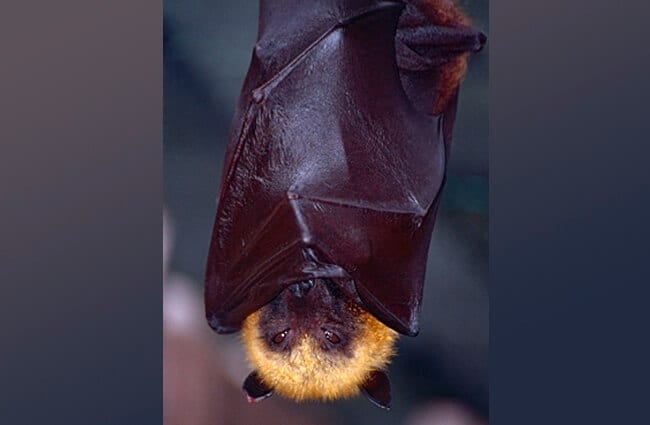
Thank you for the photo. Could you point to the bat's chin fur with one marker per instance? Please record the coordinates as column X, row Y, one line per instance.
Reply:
column 309, row 373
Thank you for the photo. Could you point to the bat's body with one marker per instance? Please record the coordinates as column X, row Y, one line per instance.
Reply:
column 331, row 184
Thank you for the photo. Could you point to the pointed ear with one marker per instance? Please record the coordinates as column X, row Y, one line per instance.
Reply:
column 377, row 389
column 255, row 389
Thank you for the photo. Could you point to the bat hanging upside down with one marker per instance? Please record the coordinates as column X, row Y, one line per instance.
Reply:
column 333, row 172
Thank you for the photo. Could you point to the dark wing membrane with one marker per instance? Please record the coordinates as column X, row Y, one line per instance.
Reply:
column 331, row 172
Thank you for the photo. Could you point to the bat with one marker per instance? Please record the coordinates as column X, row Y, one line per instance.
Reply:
column 332, row 177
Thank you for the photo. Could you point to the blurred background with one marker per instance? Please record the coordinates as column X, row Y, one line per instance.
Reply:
column 439, row 377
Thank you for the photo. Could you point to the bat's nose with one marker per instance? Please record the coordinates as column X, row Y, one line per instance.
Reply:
column 300, row 289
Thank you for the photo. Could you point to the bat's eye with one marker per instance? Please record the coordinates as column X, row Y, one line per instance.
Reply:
column 332, row 337
column 280, row 337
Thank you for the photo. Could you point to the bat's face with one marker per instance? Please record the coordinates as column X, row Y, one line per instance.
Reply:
column 313, row 309
column 311, row 342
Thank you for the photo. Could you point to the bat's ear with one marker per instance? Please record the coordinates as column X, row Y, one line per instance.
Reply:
column 377, row 389
column 255, row 389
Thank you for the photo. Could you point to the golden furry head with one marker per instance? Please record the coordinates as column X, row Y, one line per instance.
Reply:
column 309, row 370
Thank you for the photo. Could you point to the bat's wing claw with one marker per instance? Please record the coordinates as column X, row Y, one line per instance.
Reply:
column 432, row 43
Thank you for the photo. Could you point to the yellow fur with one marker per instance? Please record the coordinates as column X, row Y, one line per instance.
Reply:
column 309, row 373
